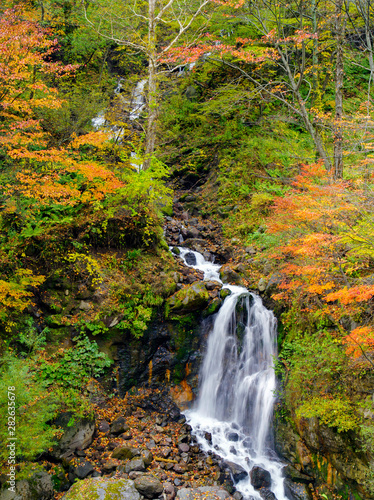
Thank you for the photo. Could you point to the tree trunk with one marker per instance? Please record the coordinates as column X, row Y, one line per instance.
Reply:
column 339, row 77
column 152, row 87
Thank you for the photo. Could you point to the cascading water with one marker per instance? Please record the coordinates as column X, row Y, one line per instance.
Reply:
column 237, row 383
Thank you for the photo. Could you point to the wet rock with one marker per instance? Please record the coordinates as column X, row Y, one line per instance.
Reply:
column 148, row 486
column 229, row 275
column 237, row 471
column 296, row 491
column 208, row 437
column 102, row 488
column 225, row 292
column 266, row 494
column 135, row 464
column 190, row 259
column 233, row 436
column 260, row 478
column 233, row 450
column 237, row 495
column 118, row 426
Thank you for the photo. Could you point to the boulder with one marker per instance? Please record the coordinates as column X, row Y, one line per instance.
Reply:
column 147, row 457
column 82, row 470
column 229, row 275
column 190, row 259
column 266, row 494
column 237, row 471
column 38, row 486
column 148, row 486
column 103, row 489
column 203, row 493
column 78, row 434
column 260, row 478
column 296, row 491
column 118, row 426
column 135, row 464
column 233, row 436
column 123, row 453
column 190, row 298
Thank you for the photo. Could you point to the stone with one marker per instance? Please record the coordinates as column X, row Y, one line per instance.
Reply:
column 38, row 486
column 183, row 447
column 208, row 437
column 148, row 486
column 83, row 470
column 225, row 292
column 193, row 232
column 260, row 478
column 229, row 275
column 261, row 285
column 135, row 464
column 212, row 285
column 266, row 494
column 103, row 489
column 151, row 444
column 76, row 437
column 84, row 306
column 190, row 298
column 296, row 491
column 237, row 471
column 123, row 453
column 109, row 466
column 203, row 493
column 237, row 495
column 135, row 474
column 147, row 457
column 169, row 491
column 233, row 436
column 190, row 259
column 118, row 426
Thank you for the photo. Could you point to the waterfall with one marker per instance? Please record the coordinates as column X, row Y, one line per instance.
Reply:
column 138, row 100
column 237, row 383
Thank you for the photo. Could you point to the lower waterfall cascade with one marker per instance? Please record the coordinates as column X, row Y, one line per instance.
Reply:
column 237, row 384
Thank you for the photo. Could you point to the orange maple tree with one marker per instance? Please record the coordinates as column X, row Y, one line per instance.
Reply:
column 321, row 264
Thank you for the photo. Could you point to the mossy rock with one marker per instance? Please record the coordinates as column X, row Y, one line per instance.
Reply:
column 213, row 307
column 225, row 292
column 190, row 298
column 103, row 489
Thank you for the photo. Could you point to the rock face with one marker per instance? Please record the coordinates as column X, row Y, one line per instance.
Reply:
column 103, row 489
column 38, row 487
column 322, row 454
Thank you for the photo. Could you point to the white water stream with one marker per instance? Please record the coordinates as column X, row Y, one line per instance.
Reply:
column 237, row 383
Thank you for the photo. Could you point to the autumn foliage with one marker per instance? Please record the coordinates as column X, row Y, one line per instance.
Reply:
column 322, row 260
